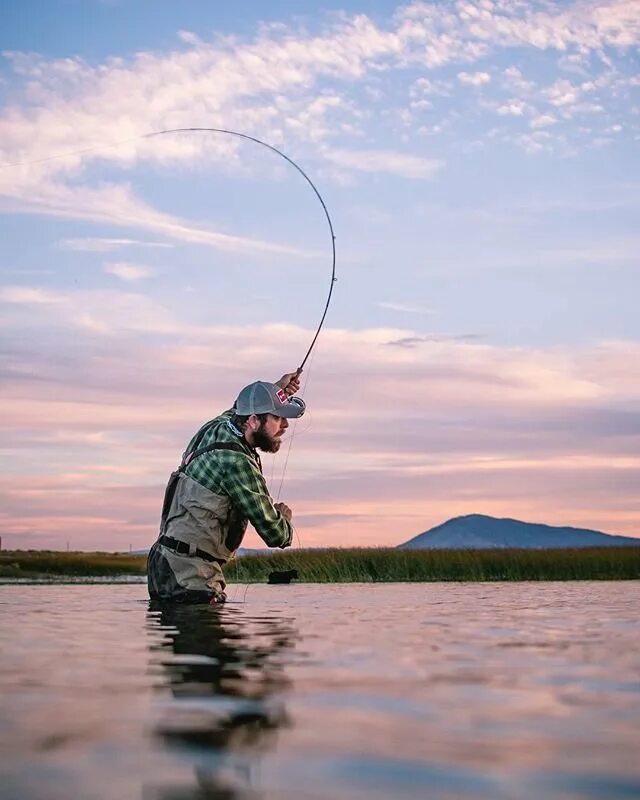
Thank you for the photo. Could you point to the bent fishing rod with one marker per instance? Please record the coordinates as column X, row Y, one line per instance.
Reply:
column 239, row 135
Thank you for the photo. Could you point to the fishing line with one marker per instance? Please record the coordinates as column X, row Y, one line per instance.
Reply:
column 273, row 462
column 272, row 472
column 293, row 432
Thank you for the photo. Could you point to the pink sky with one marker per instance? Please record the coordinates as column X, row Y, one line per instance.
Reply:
column 398, row 437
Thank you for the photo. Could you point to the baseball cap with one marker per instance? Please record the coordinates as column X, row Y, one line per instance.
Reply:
column 267, row 398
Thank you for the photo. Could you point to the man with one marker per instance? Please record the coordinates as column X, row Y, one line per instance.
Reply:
column 217, row 490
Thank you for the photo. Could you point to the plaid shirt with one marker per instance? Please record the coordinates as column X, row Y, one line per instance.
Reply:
column 239, row 476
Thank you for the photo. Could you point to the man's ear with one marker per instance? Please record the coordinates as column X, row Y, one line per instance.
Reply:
column 253, row 423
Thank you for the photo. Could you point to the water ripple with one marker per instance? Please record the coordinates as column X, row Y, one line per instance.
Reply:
column 483, row 691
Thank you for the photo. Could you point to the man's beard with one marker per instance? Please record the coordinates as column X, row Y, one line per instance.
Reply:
column 266, row 443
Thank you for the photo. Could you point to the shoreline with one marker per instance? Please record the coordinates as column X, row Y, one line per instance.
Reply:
column 348, row 565
column 135, row 580
column 70, row 580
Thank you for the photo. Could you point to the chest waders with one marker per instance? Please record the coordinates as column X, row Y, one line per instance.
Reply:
column 199, row 532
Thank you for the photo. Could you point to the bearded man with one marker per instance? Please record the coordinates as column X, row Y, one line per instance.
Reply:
column 217, row 489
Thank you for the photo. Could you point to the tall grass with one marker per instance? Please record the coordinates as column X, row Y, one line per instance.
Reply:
column 47, row 563
column 378, row 564
column 360, row 565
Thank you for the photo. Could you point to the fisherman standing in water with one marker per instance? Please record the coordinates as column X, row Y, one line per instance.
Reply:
column 217, row 489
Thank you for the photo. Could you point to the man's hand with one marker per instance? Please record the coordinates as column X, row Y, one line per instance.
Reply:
column 284, row 509
column 290, row 382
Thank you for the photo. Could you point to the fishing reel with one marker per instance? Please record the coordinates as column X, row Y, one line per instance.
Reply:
column 298, row 401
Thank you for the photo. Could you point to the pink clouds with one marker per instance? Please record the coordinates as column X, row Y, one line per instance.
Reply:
column 397, row 438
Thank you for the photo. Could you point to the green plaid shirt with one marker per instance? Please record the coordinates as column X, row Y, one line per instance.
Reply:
column 238, row 475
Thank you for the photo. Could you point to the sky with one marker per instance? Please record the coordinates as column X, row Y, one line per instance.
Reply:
column 481, row 352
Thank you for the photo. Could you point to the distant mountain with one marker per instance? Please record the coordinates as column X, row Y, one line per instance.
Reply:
column 479, row 532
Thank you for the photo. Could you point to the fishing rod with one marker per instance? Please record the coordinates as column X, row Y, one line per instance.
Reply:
column 239, row 135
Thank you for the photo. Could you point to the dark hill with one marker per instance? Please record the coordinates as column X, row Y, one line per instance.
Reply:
column 477, row 532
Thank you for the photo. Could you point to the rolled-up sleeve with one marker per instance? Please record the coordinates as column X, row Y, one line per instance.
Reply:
column 246, row 487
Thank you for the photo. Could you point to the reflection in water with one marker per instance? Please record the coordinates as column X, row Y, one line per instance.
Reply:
column 225, row 674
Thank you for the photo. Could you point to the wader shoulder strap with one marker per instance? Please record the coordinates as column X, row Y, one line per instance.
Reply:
column 189, row 457
column 186, row 460
column 200, row 435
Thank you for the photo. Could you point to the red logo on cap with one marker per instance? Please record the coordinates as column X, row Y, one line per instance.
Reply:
column 282, row 395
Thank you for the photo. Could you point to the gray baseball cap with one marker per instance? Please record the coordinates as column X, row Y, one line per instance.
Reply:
column 267, row 398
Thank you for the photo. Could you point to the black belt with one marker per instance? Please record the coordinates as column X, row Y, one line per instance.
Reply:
column 185, row 550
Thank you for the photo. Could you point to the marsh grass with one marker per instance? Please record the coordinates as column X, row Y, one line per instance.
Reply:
column 358, row 565
column 52, row 563
column 381, row 564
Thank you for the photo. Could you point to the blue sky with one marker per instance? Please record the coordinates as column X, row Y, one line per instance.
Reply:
column 479, row 161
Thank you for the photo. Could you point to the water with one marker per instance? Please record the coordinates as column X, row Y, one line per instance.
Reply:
column 308, row 692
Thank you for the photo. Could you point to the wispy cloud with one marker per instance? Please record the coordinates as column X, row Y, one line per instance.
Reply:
column 31, row 295
column 403, row 165
column 414, row 341
column 480, row 423
column 406, row 309
column 131, row 273
column 286, row 83
column 104, row 244
column 102, row 312
column 543, row 121
column 117, row 205
column 514, row 108
column 474, row 78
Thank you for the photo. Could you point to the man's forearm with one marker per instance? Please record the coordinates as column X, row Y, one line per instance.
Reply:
column 248, row 492
column 275, row 536
column 270, row 524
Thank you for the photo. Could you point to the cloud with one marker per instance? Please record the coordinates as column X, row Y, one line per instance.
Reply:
column 116, row 204
column 104, row 244
column 543, row 107
column 514, row 108
column 482, row 428
column 285, row 84
column 31, row 295
column 543, row 121
column 414, row 341
column 616, row 250
column 402, row 165
column 406, row 309
column 514, row 80
column 128, row 272
column 102, row 312
column 563, row 93
column 474, row 78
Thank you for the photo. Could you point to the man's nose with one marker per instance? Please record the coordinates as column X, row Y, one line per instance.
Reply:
column 285, row 424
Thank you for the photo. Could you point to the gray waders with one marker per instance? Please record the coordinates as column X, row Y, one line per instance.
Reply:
column 199, row 532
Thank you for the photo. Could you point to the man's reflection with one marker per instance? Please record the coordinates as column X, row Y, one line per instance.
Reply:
column 225, row 672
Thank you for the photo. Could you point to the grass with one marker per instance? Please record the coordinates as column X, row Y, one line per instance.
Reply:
column 359, row 565
column 55, row 564
column 378, row 564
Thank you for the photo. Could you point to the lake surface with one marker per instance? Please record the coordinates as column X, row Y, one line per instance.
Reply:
column 507, row 690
